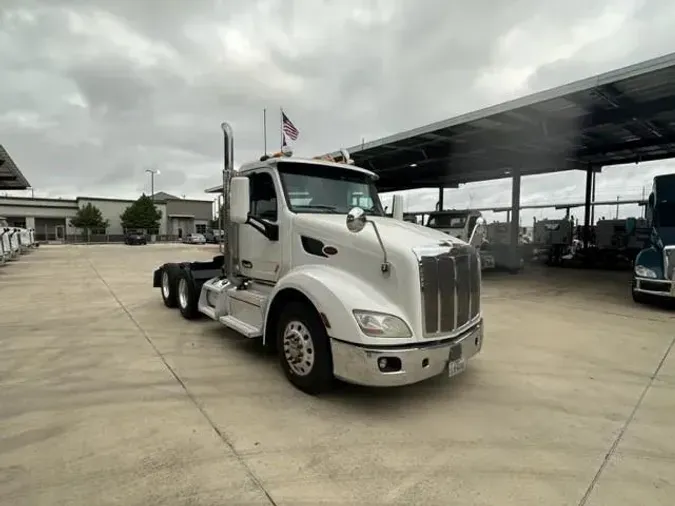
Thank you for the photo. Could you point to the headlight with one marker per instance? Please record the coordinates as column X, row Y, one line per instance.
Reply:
column 644, row 272
column 381, row 324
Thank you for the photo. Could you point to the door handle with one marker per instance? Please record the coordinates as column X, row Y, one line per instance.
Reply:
column 246, row 264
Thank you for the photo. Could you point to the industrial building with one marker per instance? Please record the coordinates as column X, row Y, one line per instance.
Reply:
column 51, row 217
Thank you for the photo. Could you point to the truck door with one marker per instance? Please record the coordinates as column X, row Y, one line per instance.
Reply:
column 259, row 255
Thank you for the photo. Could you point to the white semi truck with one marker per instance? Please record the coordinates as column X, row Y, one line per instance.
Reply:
column 14, row 241
column 337, row 290
column 10, row 246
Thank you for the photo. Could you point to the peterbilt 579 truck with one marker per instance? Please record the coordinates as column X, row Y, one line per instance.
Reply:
column 337, row 290
column 654, row 270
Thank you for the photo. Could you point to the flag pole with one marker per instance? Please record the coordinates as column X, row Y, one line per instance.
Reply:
column 281, row 128
column 265, row 131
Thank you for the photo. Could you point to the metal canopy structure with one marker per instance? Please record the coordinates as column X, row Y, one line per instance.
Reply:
column 623, row 116
column 11, row 177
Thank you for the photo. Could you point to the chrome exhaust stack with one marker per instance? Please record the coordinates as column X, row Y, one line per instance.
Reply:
column 229, row 236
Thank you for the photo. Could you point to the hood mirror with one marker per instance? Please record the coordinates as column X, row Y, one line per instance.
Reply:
column 356, row 220
column 631, row 225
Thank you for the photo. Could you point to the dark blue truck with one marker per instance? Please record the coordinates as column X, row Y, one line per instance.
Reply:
column 654, row 271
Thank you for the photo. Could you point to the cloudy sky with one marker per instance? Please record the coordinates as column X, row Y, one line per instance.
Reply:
column 93, row 92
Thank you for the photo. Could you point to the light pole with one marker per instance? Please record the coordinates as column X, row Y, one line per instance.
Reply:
column 152, row 182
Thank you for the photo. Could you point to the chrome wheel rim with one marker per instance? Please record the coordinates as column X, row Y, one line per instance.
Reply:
column 165, row 285
column 298, row 348
column 182, row 293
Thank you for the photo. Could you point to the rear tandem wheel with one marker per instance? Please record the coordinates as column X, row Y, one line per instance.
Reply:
column 188, row 296
column 168, row 287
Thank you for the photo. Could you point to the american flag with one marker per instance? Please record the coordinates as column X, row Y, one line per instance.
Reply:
column 289, row 128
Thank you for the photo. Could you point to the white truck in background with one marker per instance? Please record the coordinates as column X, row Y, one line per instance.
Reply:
column 14, row 241
column 337, row 290
column 9, row 242
column 460, row 224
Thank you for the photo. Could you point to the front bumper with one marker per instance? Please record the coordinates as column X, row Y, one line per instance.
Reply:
column 657, row 287
column 413, row 363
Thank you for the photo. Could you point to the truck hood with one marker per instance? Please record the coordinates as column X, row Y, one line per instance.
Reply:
column 667, row 235
column 360, row 255
column 395, row 234
column 454, row 232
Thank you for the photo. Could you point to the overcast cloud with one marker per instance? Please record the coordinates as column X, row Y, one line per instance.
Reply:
column 93, row 92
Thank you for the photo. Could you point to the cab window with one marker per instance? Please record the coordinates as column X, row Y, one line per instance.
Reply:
column 263, row 196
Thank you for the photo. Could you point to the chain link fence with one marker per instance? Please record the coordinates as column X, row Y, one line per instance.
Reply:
column 114, row 238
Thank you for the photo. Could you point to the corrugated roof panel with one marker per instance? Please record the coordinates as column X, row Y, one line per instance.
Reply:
column 553, row 122
column 11, row 177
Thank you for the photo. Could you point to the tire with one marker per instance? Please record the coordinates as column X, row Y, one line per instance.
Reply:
column 168, row 287
column 301, row 332
column 187, row 296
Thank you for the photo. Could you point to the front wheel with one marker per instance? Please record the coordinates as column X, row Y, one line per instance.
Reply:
column 304, row 349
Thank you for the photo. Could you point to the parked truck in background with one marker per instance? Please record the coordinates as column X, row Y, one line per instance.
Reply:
column 337, row 290
column 654, row 267
column 460, row 224
column 15, row 241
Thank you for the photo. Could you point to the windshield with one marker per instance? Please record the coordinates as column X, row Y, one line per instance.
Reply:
column 446, row 221
column 325, row 189
column 664, row 215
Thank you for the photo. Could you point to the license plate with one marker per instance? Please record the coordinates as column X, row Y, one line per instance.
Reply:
column 456, row 363
column 456, row 367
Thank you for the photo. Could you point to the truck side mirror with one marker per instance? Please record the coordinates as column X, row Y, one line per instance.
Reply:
column 631, row 224
column 356, row 220
column 650, row 200
column 397, row 205
column 240, row 204
column 478, row 234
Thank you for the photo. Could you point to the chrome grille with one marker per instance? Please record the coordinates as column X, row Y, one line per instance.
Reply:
column 450, row 284
column 669, row 261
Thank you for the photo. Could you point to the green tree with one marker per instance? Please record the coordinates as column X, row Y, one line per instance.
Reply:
column 89, row 218
column 142, row 214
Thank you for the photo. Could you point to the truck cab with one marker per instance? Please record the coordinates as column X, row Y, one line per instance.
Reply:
column 5, row 246
column 314, row 269
column 460, row 224
column 654, row 268
column 10, row 237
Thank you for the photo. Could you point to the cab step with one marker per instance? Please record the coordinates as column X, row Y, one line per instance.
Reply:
column 243, row 328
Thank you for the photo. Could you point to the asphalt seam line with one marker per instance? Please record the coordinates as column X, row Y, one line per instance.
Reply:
column 629, row 420
column 189, row 394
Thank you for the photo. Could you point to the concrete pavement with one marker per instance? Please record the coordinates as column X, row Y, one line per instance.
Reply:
column 107, row 397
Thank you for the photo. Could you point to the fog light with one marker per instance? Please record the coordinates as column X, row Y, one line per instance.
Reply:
column 389, row 364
